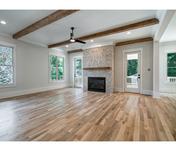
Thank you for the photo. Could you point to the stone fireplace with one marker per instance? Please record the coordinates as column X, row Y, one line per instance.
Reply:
column 99, row 63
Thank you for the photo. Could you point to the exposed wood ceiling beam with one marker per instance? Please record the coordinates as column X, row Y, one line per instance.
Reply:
column 125, row 28
column 59, row 14
column 75, row 51
column 134, row 41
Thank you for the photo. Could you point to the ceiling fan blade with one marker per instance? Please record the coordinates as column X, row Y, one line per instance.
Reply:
column 77, row 40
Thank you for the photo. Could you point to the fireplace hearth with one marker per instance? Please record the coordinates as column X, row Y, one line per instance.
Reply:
column 97, row 84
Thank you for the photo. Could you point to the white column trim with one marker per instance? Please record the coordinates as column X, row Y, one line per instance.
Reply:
column 164, row 21
column 156, row 69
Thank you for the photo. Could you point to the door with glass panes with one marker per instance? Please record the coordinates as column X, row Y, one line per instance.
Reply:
column 132, row 67
column 78, row 72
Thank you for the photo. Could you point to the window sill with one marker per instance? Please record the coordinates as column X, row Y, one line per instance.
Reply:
column 7, row 86
column 56, row 81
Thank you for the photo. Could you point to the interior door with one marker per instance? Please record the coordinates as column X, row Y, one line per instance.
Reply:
column 78, row 72
column 132, row 72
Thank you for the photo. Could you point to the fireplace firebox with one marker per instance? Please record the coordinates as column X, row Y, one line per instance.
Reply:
column 97, row 84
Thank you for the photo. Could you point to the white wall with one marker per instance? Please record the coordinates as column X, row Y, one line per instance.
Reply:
column 31, row 69
column 71, row 57
column 147, row 62
column 164, row 85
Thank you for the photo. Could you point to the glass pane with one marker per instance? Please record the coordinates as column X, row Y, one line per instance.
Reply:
column 53, row 64
column 6, row 55
column 53, row 60
column 171, row 64
column 60, row 61
column 171, row 72
column 78, row 67
column 132, row 67
column 53, row 73
column 6, row 75
column 132, row 70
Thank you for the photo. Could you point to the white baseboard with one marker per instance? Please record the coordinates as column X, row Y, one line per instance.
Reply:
column 156, row 94
column 29, row 91
column 167, row 94
column 147, row 92
column 117, row 89
column 36, row 90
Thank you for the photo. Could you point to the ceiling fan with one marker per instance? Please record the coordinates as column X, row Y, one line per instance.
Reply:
column 72, row 39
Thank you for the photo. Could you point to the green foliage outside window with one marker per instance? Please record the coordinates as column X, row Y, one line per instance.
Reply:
column 6, row 65
column 56, row 67
column 78, row 67
column 171, row 64
column 60, row 61
column 132, row 67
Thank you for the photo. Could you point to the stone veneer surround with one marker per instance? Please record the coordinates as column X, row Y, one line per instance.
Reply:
column 99, row 57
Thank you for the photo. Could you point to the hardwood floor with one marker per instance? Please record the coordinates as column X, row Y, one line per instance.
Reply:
column 70, row 114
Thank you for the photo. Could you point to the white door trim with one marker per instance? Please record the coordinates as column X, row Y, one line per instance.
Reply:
column 141, row 73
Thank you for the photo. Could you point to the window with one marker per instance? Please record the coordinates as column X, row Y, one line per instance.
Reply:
column 78, row 67
column 171, row 65
column 132, row 67
column 132, row 64
column 56, row 68
column 6, row 65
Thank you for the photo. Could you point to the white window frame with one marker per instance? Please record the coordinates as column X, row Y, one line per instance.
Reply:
column 49, row 66
column 167, row 79
column 5, row 44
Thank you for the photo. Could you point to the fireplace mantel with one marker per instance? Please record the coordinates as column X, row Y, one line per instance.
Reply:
column 97, row 68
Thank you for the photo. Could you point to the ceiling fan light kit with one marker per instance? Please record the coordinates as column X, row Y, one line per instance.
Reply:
column 72, row 40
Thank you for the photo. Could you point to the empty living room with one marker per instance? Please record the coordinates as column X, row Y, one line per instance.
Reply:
column 87, row 75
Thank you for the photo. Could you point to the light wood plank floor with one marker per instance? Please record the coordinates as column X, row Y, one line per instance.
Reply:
column 70, row 114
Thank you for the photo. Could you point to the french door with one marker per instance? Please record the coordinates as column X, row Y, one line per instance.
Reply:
column 132, row 70
column 78, row 72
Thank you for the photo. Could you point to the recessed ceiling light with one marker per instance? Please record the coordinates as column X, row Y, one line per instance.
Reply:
column 91, row 40
column 128, row 32
column 3, row 22
column 67, row 46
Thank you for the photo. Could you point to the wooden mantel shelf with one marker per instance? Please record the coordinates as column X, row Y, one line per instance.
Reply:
column 97, row 68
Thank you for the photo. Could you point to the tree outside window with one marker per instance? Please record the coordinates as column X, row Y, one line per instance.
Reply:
column 78, row 67
column 56, row 67
column 171, row 64
column 132, row 67
column 6, row 66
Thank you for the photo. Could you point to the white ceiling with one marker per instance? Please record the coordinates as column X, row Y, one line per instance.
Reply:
column 19, row 19
column 170, row 32
column 85, row 21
